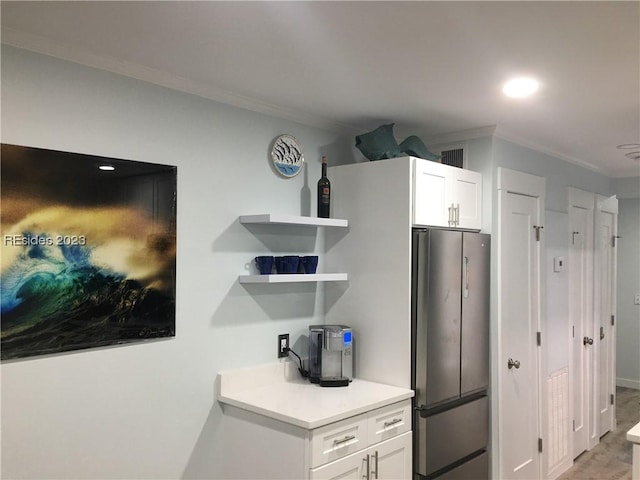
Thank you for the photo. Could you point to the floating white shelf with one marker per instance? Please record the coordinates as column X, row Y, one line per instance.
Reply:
column 294, row 277
column 270, row 218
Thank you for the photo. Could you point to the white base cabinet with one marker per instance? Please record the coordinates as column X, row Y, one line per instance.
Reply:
column 372, row 445
column 633, row 436
column 389, row 460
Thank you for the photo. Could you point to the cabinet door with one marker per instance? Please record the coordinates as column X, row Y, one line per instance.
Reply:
column 429, row 194
column 464, row 193
column 445, row 196
column 388, row 460
column 391, row 459
column 353, row 467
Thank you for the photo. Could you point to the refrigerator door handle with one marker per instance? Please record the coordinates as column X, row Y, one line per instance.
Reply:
column 466, row 277
column 421, row 409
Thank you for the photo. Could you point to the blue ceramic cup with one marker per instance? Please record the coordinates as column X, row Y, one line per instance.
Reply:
column 264, row 264
column 291, row 263
column 310, row 263
column 287, row 264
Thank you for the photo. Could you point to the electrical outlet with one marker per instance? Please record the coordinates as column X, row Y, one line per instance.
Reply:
column 283, row 345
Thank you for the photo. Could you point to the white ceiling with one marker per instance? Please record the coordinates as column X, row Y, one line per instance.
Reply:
column 433, row 68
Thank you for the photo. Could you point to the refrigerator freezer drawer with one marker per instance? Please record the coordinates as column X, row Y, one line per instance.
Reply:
column 451, row 435
column 477, row 469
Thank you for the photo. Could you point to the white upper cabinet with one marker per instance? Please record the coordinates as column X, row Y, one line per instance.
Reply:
column 445, row 196
column 430, row 194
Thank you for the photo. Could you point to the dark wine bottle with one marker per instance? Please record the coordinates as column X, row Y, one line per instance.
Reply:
column 324, row 192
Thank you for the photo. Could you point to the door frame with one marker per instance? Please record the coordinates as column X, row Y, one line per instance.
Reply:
column 512, row 181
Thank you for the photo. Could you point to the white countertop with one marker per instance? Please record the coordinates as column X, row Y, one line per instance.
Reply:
column 633, row 435
column 277, row 391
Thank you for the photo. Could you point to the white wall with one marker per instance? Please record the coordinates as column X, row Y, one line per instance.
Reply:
column 628, row 314
column 480, row 159
column 626, row 187
column 148, row 410
column 556, row 285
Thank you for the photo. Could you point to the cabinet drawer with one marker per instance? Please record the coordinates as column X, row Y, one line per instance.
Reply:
column 389, row 421
column 338, row 440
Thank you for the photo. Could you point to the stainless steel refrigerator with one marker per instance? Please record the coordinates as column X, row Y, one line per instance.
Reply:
column 450, row 349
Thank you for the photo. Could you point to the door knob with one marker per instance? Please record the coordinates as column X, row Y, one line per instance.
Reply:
column 587, row 341
column 513, row 363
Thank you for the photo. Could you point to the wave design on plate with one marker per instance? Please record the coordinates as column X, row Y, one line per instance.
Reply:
column 287, row 156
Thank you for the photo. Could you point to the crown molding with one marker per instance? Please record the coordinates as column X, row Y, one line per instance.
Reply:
column 504, row 134
column 75, row 54
column 82, row 56
column 500, row 132
column 460, row 136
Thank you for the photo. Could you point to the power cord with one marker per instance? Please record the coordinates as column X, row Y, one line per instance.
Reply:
column 303, row 372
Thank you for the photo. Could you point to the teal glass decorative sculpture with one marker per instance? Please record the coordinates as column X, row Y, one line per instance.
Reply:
column 381, row 143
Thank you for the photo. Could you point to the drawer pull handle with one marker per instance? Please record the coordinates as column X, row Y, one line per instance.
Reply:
column 344, row 440
column 392, row 422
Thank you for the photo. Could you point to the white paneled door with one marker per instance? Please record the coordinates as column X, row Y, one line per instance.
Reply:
column 581, row 318
column 592, row 280
column 605, row 301
column 520, row 230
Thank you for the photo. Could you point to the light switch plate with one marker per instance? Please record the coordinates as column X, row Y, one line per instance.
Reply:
column 558, row 264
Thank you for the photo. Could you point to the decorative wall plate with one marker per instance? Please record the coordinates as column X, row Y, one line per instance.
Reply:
column 287, row 156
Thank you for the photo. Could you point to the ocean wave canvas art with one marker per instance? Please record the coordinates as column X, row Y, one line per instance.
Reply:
column 88, row 251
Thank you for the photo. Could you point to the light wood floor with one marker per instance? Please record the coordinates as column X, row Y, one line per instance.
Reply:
column 611, row 458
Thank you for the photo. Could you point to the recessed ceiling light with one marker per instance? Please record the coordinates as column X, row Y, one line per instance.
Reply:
column 520, row 87
column 107, row 168
column 628, row 146
column 633, row 155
